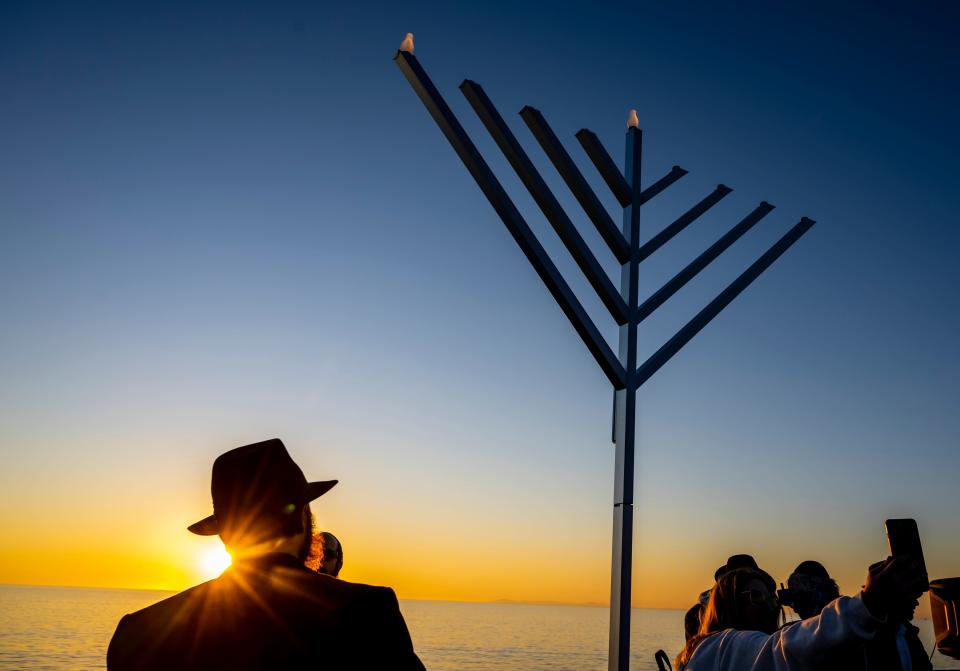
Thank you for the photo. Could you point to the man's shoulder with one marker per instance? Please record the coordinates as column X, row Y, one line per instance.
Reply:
column 375, row 593
column 362, row 589
column 335, row 591
column 173, row 606
column 168, row 618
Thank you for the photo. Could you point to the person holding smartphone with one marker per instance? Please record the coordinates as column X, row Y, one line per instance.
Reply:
column 739, row 629
column 896, row 645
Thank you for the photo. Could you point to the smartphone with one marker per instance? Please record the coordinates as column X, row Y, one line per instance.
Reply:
column 904, row 539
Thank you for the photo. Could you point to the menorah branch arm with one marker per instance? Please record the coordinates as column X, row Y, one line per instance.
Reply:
column 545, row 199
column 723, row 299
column 605, row 165
column 511, row 217
column 661, row 295
column 676, row 172
column 684, row 220
column 575, row 181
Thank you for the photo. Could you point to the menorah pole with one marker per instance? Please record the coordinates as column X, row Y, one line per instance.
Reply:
column 625, row 421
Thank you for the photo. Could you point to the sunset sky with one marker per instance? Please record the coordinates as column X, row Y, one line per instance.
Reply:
column 225, row 222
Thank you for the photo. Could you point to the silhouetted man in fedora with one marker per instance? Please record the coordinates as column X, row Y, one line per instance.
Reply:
column 267, row 611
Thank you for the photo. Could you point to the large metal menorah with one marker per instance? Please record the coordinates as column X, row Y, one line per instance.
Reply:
column 624, row 305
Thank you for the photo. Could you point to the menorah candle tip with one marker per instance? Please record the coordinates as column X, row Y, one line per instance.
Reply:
column 632, row 120
column 407, row 44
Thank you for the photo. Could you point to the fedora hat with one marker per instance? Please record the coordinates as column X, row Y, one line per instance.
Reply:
column 256, row 482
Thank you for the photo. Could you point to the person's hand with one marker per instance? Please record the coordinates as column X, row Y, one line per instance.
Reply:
column 891, row 584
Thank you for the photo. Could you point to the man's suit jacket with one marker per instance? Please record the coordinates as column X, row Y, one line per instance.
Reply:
column 267, row 613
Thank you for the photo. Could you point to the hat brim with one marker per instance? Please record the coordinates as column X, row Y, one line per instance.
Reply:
column 209, row 526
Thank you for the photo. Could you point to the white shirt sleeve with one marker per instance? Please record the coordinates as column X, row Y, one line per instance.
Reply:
column 800, row 646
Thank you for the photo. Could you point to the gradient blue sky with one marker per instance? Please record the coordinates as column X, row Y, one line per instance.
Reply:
column 223, row 222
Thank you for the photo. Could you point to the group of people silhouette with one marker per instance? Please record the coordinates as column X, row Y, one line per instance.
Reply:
column 740, row 623
column 280, row 605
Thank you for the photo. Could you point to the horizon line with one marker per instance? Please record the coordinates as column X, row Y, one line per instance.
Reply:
column 519, row 602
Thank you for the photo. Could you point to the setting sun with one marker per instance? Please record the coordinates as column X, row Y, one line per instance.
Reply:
column 213, row 561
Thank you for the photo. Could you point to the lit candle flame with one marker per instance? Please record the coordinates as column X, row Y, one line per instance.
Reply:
column 632, row 120
column 407, row 44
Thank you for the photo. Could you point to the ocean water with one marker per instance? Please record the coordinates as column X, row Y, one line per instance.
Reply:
column 68, row 629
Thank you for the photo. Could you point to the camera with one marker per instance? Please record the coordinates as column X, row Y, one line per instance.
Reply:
column 786, row 596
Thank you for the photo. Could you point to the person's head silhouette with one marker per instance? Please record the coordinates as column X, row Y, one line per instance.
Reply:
column 331, row 552
column 261, row 501
column 742, row 598
column 811, row 588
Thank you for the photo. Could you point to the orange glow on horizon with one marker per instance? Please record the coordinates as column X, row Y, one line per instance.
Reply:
column 424, row 553
column 436, row 571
